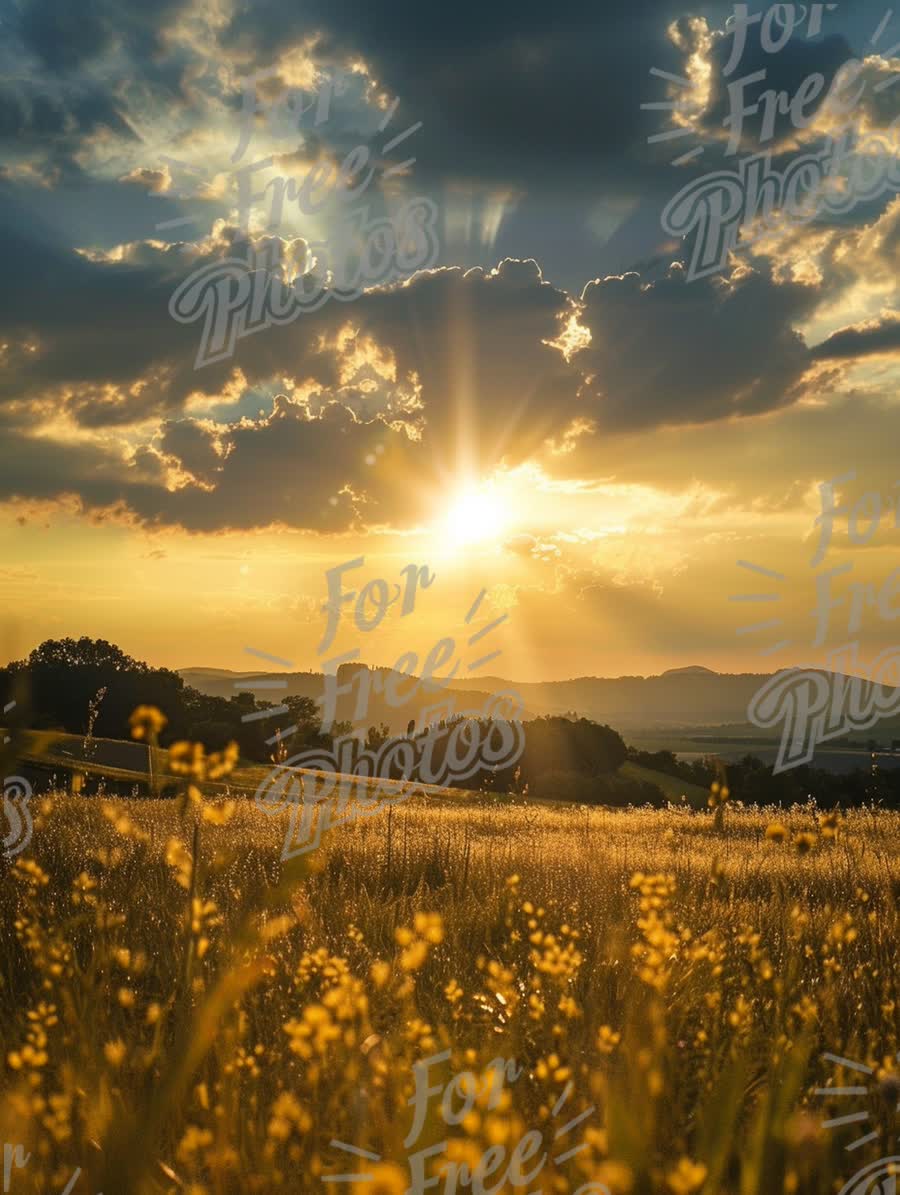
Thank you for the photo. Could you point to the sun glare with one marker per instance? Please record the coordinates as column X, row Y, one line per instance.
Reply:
column 475, row 514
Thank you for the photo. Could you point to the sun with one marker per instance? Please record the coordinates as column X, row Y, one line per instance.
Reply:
column 475, row 514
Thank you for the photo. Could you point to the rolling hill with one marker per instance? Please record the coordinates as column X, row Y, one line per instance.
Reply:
column 681, row 699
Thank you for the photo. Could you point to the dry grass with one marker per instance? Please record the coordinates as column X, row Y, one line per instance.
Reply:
column 183, row 1012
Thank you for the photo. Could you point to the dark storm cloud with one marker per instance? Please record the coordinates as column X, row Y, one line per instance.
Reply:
column 66, row 36
column 472, row 342
column 676, row 351
column 476, row 341
column 324, row 474
column 73, row 74
column 193, row 445
column 104, row 322
column 507, row 91
column 461, row 372
column 473, row 348
column 869, row 338
column 58, row 122
column 784, row 71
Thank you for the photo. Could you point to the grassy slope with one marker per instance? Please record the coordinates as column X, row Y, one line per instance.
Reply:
column 672, row 788
column 106, row 757
column 721, row 1032
column 110, row 758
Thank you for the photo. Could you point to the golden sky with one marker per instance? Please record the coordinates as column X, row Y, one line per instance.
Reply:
column 546, row 405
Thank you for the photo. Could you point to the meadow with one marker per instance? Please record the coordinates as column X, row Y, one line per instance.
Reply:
column 184, row 1012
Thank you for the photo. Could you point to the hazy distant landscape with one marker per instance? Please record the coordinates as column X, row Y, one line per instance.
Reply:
column 692, row 711
column 679, row 698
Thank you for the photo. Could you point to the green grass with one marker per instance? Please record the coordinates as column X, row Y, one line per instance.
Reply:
column 672, row 788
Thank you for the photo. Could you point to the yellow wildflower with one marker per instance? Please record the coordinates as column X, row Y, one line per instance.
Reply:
column 146, row 722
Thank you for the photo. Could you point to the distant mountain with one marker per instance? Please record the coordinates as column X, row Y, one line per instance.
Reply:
column 680, row 699
column 691, row 670
column 220, row 682
column 416, row 697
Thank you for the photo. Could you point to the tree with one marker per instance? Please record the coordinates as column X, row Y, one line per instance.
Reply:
column 554, row 744
column 83, row 653
column 64, row 676
column 377, row 736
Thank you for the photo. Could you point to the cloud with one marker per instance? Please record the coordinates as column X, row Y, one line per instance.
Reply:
column 324, row 474
column 868, row 338
column 745, row 98
column 67, row 37
column 492, row 386
column 679, row 351
column 410, row 367
column 444, row 377
column 286, row 469
column 316, row 463
column 505, row 95
column 104, row 336
column 155, row 181
column 194, row 445
column 528, row 546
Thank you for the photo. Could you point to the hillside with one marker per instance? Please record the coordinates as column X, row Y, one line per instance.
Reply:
column 428, row 698
column 120, row 766
column 681, row 699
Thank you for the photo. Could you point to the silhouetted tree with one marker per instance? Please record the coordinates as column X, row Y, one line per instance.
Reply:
column 63, row 677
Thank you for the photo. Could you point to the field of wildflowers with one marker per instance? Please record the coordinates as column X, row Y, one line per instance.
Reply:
column 183, row 1012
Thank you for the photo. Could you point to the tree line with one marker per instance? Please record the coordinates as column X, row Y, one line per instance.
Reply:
column 753, row 782
column 91, row 687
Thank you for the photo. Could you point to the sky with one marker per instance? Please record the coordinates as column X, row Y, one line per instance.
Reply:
column 507, row 367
